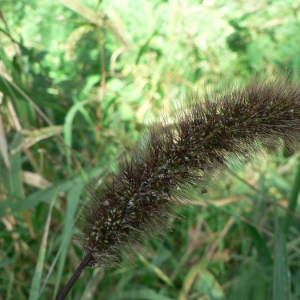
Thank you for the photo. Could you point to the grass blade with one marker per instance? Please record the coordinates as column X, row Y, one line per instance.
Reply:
column 46, row 195
column 68, row 127
column 281, row 286
column 73, row 199
column 263, row 250
column 37, row 278
column 293, row 200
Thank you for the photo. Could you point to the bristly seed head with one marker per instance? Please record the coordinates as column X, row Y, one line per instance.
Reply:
column 137, row 200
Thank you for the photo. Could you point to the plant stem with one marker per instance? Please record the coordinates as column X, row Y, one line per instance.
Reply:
column 84, row 263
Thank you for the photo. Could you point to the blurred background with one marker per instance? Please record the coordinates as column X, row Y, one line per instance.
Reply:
column 81, row 80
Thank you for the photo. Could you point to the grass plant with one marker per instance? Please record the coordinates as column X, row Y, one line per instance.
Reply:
column 78, row 82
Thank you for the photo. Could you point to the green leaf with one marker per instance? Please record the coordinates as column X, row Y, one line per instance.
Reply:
column 200, row 281
column 45, row 196
column 141, row 294
column 156, row 270
column 73, row 199
column 12, row 178
column 293, row 200
column 281, row 282
column 145, row 46
column 260, row 245
column 37, row 278
column 68, row 126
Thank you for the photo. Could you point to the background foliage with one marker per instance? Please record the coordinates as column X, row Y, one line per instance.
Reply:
column 79, row 82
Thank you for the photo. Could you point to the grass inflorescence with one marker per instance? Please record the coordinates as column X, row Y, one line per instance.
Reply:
column 136, row 199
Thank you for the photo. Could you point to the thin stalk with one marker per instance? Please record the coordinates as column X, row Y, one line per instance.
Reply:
column 84, row 263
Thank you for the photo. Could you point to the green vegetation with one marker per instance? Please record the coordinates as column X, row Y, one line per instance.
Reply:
column 79, row 81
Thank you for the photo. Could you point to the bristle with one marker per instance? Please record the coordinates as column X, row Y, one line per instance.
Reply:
column 137, row 199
